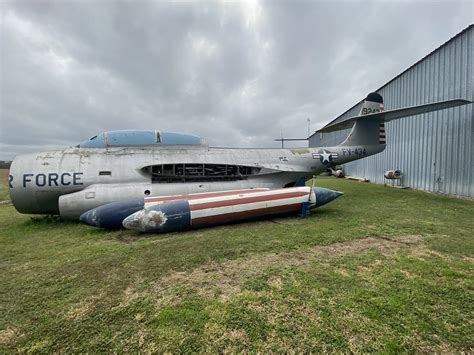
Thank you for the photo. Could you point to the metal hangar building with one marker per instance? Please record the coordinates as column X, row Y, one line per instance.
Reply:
column 435, row 152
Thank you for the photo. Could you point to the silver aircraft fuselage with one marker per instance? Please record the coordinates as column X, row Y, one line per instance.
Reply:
column 117, row 166
column 72, row 181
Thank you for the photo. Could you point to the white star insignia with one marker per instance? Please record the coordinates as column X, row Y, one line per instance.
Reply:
column 326, row 156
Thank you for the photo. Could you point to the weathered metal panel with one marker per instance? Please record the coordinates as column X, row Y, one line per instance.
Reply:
column 434, row 151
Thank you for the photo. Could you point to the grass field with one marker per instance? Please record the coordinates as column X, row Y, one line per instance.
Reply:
column 379, row 269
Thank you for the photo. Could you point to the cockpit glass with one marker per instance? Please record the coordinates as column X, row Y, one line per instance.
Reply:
column 92, row 138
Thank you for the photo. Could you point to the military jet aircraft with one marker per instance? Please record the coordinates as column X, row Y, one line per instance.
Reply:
column 123, row 165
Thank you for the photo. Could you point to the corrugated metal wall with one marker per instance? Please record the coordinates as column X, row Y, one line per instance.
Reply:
column 434, row 151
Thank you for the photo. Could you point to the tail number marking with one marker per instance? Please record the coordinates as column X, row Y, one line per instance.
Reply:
column 354, row 151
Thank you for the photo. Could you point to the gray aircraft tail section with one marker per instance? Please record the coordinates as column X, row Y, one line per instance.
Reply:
column 368, row 128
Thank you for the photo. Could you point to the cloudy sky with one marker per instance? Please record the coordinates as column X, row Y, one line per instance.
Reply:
column 237, row 73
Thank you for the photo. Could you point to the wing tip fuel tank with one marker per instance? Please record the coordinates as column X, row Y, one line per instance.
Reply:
column 324, row 196
column 200, row 210
column 186, row 214
column 111, row 214
column 169, row 216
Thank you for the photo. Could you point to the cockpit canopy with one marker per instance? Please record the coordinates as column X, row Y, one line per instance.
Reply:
column 140, row 137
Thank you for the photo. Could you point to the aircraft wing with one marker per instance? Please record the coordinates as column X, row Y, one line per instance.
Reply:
column 395, row 114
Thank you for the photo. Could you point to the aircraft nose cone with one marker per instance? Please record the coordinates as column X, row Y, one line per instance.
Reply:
column 324, row 196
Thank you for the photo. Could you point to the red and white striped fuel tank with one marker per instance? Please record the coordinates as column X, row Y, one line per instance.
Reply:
column 169, row 216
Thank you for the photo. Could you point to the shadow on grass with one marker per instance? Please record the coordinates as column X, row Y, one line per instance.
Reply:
column 49, row 219
column 288, row 219
column 127, row 237
column 123, row 237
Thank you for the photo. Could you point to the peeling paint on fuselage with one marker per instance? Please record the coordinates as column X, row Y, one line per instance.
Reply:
column 299, row 150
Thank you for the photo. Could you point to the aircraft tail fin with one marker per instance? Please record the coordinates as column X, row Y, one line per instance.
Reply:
column 368, row 127
column 372, row 104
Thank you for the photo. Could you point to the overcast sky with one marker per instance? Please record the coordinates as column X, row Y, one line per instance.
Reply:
column 236, row 73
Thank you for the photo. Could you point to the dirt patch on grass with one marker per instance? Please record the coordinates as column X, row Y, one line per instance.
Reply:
column 7, row 336
column 225, row 278
column 468, row 259
column 127, row 238
column 275, row 282
column 129, row 295
column 83, row 308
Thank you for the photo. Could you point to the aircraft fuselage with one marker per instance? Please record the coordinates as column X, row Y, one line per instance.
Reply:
column 74, row 180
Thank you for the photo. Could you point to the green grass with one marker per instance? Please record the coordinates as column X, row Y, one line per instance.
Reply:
column 379, row 269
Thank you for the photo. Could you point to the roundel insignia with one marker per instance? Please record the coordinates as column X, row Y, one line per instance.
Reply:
column 325, row 157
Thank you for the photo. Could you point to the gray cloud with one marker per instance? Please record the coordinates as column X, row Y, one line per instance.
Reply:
column 235, row 73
